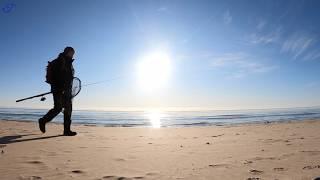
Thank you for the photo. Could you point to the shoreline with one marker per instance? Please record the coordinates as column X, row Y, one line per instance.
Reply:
column 173, row 109
column 267, row 151
column 168, row 119
column 174, row 126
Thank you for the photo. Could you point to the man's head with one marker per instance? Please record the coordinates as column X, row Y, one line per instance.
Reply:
column 69, row 52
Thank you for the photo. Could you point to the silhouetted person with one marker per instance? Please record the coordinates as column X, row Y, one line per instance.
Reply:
column 60, row 78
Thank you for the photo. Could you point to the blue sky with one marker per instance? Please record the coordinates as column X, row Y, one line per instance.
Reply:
column 224, row 54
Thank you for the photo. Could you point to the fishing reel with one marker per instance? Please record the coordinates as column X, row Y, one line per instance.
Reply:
column 43, row 98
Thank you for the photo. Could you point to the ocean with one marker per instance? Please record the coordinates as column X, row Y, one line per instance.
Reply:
column 168, row 118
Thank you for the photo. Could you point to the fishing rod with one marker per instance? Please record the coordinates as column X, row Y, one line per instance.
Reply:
column 76, row 88
column 39, row 95
column 103, row 81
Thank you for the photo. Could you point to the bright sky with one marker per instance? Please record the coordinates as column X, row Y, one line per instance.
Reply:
column 200, row 54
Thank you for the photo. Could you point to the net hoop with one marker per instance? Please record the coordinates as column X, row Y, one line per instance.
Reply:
column 76, row 87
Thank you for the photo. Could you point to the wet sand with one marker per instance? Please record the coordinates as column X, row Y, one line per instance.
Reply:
column 288, row 150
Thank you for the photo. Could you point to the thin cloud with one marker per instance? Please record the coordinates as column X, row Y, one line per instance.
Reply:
column 261, row 24
column 240, row 64
column 312, row 55
column 162, row 9
column 262, row 39
column 266, row 38
column 297, row 45
column 227, row 18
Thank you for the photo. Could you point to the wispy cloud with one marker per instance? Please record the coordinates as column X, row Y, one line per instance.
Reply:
column 227, row 18
column 312, row 55
column 240, row 64
column 297, row 45
column 261, row 24
column 162, row 9
column 266, row 38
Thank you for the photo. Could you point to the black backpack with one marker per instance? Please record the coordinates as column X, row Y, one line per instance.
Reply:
column 50, row 72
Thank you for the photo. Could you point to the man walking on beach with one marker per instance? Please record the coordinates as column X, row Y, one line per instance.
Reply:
column 60, row 75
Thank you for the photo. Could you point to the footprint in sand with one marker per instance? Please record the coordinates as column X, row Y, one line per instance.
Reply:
column 253, row 178
column 78, row 171
column 283, row 156
column 279, row 169
column 219, row 165
column 152, row 174
column 121, row 178
column 312, row 153
column 108, row 177
column 264, row 158
column 255, row 171
column 35, row 162
column 248, row 162
column 119, row 159
column 30, row 178
column 138, row 177
column 311, row 167
column 217, row 135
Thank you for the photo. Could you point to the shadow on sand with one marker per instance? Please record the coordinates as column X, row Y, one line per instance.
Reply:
column 16, row 138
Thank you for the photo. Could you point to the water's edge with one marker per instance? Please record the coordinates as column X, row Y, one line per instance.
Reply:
column 168, row 118
column 176, row 126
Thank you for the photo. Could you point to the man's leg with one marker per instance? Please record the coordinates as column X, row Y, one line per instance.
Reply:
column 67, row 117
column 57, row 98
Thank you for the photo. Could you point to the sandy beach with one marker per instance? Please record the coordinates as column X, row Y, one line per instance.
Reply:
column 288, row 150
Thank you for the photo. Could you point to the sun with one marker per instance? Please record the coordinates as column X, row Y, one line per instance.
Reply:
column 153, row 70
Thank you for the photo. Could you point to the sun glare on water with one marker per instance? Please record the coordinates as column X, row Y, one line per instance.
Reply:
column 154, row 118
column 153, row 71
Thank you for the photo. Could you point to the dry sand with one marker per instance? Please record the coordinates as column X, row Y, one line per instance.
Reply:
column 261, row 151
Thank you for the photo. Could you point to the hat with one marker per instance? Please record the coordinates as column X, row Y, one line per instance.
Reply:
column 68, row 49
